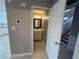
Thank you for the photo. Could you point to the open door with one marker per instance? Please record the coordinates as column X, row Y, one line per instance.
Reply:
column 55, row 25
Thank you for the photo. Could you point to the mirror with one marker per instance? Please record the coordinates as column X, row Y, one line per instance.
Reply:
column 37, row 23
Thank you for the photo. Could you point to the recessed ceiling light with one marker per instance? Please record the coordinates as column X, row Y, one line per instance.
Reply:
column 67, row 10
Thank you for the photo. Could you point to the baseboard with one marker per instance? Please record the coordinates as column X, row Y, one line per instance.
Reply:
column 19, row 55
column 45, row 48
column 47, row 53
column 43, row 43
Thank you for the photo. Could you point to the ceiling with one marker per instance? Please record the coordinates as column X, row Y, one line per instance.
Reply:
column 45, row 3
column 29, row 1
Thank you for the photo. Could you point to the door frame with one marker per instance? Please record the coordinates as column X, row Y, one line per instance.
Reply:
column 32, row 7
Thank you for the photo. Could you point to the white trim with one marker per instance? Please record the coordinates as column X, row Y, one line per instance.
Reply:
column 19, row 55
column 40, row 7
column 32, row 7
column 32, row 28
column 45, row 48
column 43, row 44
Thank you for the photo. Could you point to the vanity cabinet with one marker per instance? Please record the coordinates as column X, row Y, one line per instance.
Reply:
column 37, row 35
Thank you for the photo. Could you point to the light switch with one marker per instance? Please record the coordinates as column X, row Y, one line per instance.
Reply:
column 13, row 28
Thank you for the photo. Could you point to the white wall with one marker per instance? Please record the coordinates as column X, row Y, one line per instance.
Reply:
column 20, row 38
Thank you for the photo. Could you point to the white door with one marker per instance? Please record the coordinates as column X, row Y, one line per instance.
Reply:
column 55, row 24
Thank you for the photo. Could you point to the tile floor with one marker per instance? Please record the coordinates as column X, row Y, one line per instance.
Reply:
column 39, row 51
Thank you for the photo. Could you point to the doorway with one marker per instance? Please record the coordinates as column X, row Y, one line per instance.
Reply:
column 65, row 51
column 69, row 32
column 62, row 30
column 4, row 35
column 39, row 23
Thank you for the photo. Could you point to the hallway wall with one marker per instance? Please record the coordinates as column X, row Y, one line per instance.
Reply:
column 20, row 37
